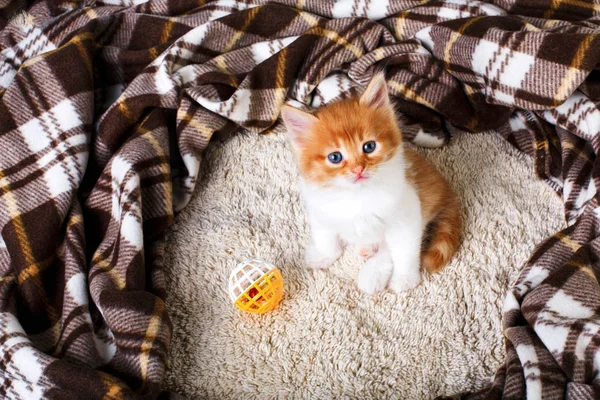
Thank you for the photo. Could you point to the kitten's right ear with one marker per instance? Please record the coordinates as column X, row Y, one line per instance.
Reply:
column 298, row 123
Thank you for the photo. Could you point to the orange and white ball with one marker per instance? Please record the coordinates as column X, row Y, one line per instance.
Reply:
column 256, row 286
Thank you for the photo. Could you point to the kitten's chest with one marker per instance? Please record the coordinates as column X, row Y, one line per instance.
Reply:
column 357, row 218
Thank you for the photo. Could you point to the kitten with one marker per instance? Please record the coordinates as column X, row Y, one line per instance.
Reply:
column 362, row 187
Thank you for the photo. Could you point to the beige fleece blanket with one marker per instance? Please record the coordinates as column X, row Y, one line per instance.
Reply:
column 327, row 339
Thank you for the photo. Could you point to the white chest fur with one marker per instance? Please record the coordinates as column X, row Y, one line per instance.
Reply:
column 357, row 216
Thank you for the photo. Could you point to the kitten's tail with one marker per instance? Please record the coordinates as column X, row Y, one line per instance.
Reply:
column 445, row 238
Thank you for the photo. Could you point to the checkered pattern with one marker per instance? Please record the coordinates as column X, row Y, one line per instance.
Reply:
column 106, row 106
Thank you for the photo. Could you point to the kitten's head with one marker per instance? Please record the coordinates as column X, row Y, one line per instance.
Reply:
column 346, row 143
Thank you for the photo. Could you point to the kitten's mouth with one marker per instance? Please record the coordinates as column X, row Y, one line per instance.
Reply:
column 360, row 178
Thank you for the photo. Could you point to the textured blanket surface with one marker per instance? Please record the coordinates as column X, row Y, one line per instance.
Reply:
column 327, row 340
column 106, row 107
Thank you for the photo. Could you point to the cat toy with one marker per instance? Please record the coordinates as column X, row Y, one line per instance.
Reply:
column 256, row 286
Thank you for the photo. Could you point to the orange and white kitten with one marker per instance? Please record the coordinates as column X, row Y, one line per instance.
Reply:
column 362, row 187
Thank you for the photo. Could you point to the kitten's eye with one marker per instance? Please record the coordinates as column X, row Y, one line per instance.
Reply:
column 335, row 157
column 369, row 147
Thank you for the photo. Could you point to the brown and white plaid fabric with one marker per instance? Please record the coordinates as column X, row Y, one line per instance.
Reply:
column 106, row 107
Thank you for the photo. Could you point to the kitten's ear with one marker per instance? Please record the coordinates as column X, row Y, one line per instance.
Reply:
column 298, row 123
column 376, row 94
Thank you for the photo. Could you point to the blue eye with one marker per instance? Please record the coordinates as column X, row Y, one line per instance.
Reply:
column 369, row 147
column 335, row 157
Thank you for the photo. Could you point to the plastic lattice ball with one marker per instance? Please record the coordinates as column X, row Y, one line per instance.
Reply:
column 255, row 286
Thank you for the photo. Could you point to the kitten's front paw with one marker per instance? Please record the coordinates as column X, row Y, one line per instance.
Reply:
column 373, row 278
column 367, row 251
column 402, row 283
column 317, row 259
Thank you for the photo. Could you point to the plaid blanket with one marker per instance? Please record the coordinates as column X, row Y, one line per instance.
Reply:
column 105, row 108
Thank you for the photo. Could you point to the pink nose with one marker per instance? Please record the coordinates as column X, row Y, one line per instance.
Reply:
column 358, row 170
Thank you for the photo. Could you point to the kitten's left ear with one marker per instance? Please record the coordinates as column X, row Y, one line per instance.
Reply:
column 298, row 123
column 376, row 94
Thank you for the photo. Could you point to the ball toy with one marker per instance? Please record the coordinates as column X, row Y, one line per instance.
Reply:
column 255, row 286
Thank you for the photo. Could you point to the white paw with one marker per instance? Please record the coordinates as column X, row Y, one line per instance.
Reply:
column 402, row 283
column 317, row 259
column 367, row 251
column 373, row 278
